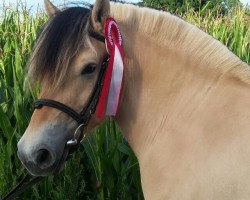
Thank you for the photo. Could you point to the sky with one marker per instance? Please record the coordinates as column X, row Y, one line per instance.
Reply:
column 60, row 2
column 33, row 4
column 246, row 2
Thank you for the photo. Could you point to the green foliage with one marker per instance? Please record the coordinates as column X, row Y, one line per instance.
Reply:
column 113, row 165
column 181, row 6
column 18, row 33
column 233, row 31
column 104, row 167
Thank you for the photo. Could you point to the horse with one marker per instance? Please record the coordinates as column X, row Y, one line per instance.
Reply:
column 184, row 107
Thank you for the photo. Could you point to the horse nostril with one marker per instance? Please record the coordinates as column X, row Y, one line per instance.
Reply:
column 44, row 159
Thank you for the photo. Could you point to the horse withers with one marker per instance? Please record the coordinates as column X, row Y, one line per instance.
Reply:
column 184, row 109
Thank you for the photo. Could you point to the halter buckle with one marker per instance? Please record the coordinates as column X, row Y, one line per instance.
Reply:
column 76, row 138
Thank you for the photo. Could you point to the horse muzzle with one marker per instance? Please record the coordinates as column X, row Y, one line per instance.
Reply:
column 45, row 153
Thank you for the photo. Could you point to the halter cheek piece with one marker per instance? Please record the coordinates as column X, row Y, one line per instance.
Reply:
column 89, row 109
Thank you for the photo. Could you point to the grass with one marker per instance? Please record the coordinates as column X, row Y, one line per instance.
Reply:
column 232, row 30
column 104, row 167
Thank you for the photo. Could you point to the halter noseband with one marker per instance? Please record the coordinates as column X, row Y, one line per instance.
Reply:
column 89, row 109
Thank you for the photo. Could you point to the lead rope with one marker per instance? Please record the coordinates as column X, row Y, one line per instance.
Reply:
column 28, row 182
column 22, row 186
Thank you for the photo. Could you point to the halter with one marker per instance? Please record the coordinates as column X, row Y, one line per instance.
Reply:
column 89, row 109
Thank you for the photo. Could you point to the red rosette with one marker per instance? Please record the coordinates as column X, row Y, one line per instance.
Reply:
column 112, row 38
column 112, row 34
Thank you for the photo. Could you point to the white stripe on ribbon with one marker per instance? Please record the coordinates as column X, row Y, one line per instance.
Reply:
column 115, row 84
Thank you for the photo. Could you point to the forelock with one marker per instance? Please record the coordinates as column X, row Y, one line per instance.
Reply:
column 59, row 42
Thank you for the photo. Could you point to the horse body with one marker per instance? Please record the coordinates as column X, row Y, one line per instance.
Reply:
column 184, row 107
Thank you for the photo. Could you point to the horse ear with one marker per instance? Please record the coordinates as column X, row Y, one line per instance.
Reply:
column 50, row 8
column 100, row 12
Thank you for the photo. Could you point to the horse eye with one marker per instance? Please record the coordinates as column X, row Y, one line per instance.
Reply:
column 89, row 69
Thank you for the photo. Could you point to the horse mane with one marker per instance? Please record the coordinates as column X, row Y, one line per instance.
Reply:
column 183, row 37
column 59, row 42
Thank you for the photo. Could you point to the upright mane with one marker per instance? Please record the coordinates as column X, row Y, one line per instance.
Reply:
column 59, row 42
column 182, row 37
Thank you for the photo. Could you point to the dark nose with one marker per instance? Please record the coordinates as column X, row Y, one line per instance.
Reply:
column 44, row 158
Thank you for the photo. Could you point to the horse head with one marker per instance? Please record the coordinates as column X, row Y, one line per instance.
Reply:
column 66, row 61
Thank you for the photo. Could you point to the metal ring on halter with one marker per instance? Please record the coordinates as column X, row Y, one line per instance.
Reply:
column 76, row 137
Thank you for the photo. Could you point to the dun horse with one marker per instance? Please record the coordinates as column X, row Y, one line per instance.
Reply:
column 184, row 109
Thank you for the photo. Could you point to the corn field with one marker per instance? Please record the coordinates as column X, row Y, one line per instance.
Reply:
column 104, row 167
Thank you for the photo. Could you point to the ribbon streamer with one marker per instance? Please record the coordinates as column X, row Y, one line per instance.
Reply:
column 110, row 95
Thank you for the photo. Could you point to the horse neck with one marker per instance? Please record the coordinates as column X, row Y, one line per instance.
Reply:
column 164, row 87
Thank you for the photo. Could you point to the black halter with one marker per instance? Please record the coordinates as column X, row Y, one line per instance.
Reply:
column 89, row 109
